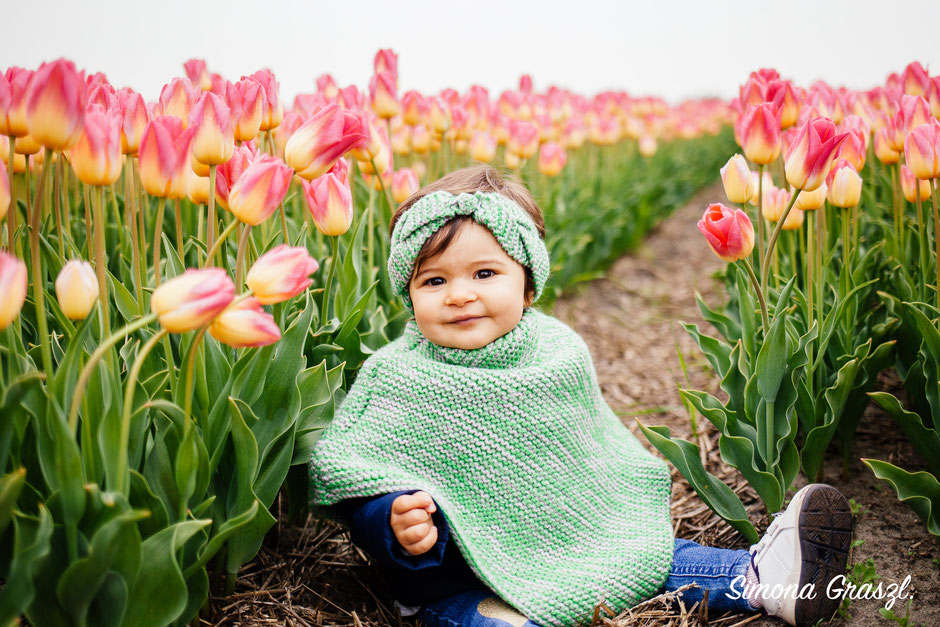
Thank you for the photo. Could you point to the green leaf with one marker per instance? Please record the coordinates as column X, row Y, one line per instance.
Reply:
column 125, row 301
column 10, row 486
column 773, row 354
column 31, row 543
column 818, row 438
column 919, row 490
column 926, row 441
column 685, row 456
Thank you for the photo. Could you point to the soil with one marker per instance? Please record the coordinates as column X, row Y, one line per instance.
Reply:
column 313, row 575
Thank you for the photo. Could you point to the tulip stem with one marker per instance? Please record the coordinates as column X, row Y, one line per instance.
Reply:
column 898, row 220
column 120, row 481
column 218, row 243
column 89, row 237
column 760, row 214
column 765, row 265
column 79, row 393
column 240, row 256
column 188, row 396
column 157, row 233
column 388, row 199
column 210, row 224
column 37, row 270
column 101, row 267
column 200, row 219
column 142, row 226
column 936, row 227
column 760, row 295
column 130, row 205
column 810, row 286
column 11, row 219
column 56, row 193
column 284, row 224
column 179, row 231
column 922, row 239
column 325, row 308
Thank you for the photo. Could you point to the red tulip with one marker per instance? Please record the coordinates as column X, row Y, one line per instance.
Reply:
column 164, row 157
column 177, row 98
column 330, row 202
column 55, row 105
column 281, row 273
column 728, row 231
column 96, row 156
column 259, row 190
column 811, row 153
column 314, row 147
column 13, row 86
column 760, row 133
column 922, row 150
column 192, row 299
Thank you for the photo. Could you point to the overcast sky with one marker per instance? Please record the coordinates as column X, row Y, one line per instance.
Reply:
column 674, row 49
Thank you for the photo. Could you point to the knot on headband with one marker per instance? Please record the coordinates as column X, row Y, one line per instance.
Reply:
column 506, row 220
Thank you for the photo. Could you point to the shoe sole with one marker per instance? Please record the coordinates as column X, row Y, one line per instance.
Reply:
column 825, row 534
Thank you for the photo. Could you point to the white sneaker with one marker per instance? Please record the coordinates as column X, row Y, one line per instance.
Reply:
column 804, row 548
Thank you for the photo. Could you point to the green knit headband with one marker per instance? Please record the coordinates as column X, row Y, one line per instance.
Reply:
column 506, row 220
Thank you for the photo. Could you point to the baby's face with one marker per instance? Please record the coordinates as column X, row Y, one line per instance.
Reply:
column 474, row 277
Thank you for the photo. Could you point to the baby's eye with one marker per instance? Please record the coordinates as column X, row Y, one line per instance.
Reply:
column 487, row 274
column 434, row 278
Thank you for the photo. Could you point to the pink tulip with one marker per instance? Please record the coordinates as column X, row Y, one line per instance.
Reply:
column 438, row 116
column 844, row 185
column 281, row 273
column 245, row 325
column 782, row 94
column 421, row 140
column 198, row 73
column 911, row 186
column 855, row 148
column 483, row 147
column 192, row 299
column 13, row 86
column 915, row 79
column 752, row 93
column 728, row 231
column 922, row 150
column 177, row 98
column 164, row 157
column 259, row 190
column 292, row 121
column 134, row 119
column 523, row 139
column 13, row 288
column 4, row 188
column 383, row 95
column 404, row 184
column 330, row 202
column 96, row 156
column 933, row 96
column 246, row 101
column 386, row 61
column 775, row 203
column 914, row 112
column 214, row 139
column 102, row 95
column 314, row 147
column 552, row 159
column 227, row 173
column 883, row 150
column 326, row 85
column 736, row 179
column 414, row 108
column 351, row 99
column 55, row 105
column 811, row 153
column 27, row 145
column 759, row 129
column 273, row 111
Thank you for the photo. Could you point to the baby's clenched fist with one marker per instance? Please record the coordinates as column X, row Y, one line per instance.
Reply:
column 412, row 524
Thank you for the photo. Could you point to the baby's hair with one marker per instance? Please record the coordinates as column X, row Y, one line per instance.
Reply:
column 474, row 178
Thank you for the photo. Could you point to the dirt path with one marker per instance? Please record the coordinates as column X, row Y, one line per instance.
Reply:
column 314, row 576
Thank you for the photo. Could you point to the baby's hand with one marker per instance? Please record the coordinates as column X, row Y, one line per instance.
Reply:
column 412, row 524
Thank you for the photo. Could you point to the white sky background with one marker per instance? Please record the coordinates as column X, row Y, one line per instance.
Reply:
column 671, row 48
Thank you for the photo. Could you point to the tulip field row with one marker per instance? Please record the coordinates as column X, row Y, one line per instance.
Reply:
column 839, row 280
column 190, row 285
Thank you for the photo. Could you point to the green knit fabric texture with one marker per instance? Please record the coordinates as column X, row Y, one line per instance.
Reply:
column 506, row 220
column 551, row 500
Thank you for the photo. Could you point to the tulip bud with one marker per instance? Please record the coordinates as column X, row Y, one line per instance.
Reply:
column 227, row 173
column 794, row 221
column 76, row 289
column 386, row 61
column 729, row 232
column 759, row 129
column 19, row 161
column 883, row 150
column 247, row 106
column 414, row 108
column 259, row 190
column 134, row 119
column 330, row 202
column 198, row 73
column 911, row 186
column 383, row 95
column 404, row 184
column 811, row 201
column 775, row 203
column 14, row 85
column 281, row 273
column 811, row 153
column 922, row 150
column 192, row 299
column 523, row 139
column 55, row 105
column 13, row 288
column 421, row 140
column 273, row 111
column 438, row 116
column 214, row 139
column 27, row 145
column 96, row 156
column 782, row 95
column 164, row 157
column 314, row 147
column 326, row 85
column 845, row 185
column 736, row 179
column 552, row 159
column 245, row 325
column 197, row 188
column 176, row 99
column 482, row 147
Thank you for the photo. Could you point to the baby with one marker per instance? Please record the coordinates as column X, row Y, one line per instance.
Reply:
column 476, row 461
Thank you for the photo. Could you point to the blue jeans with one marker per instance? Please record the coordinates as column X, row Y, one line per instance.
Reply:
column 710, row 568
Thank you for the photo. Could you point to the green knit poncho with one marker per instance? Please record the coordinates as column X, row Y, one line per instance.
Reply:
column 553, row 503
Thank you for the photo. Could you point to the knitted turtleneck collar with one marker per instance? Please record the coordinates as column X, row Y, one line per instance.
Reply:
column 511, row 350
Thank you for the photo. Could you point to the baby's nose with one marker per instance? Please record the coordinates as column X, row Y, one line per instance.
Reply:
column 460, row 292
